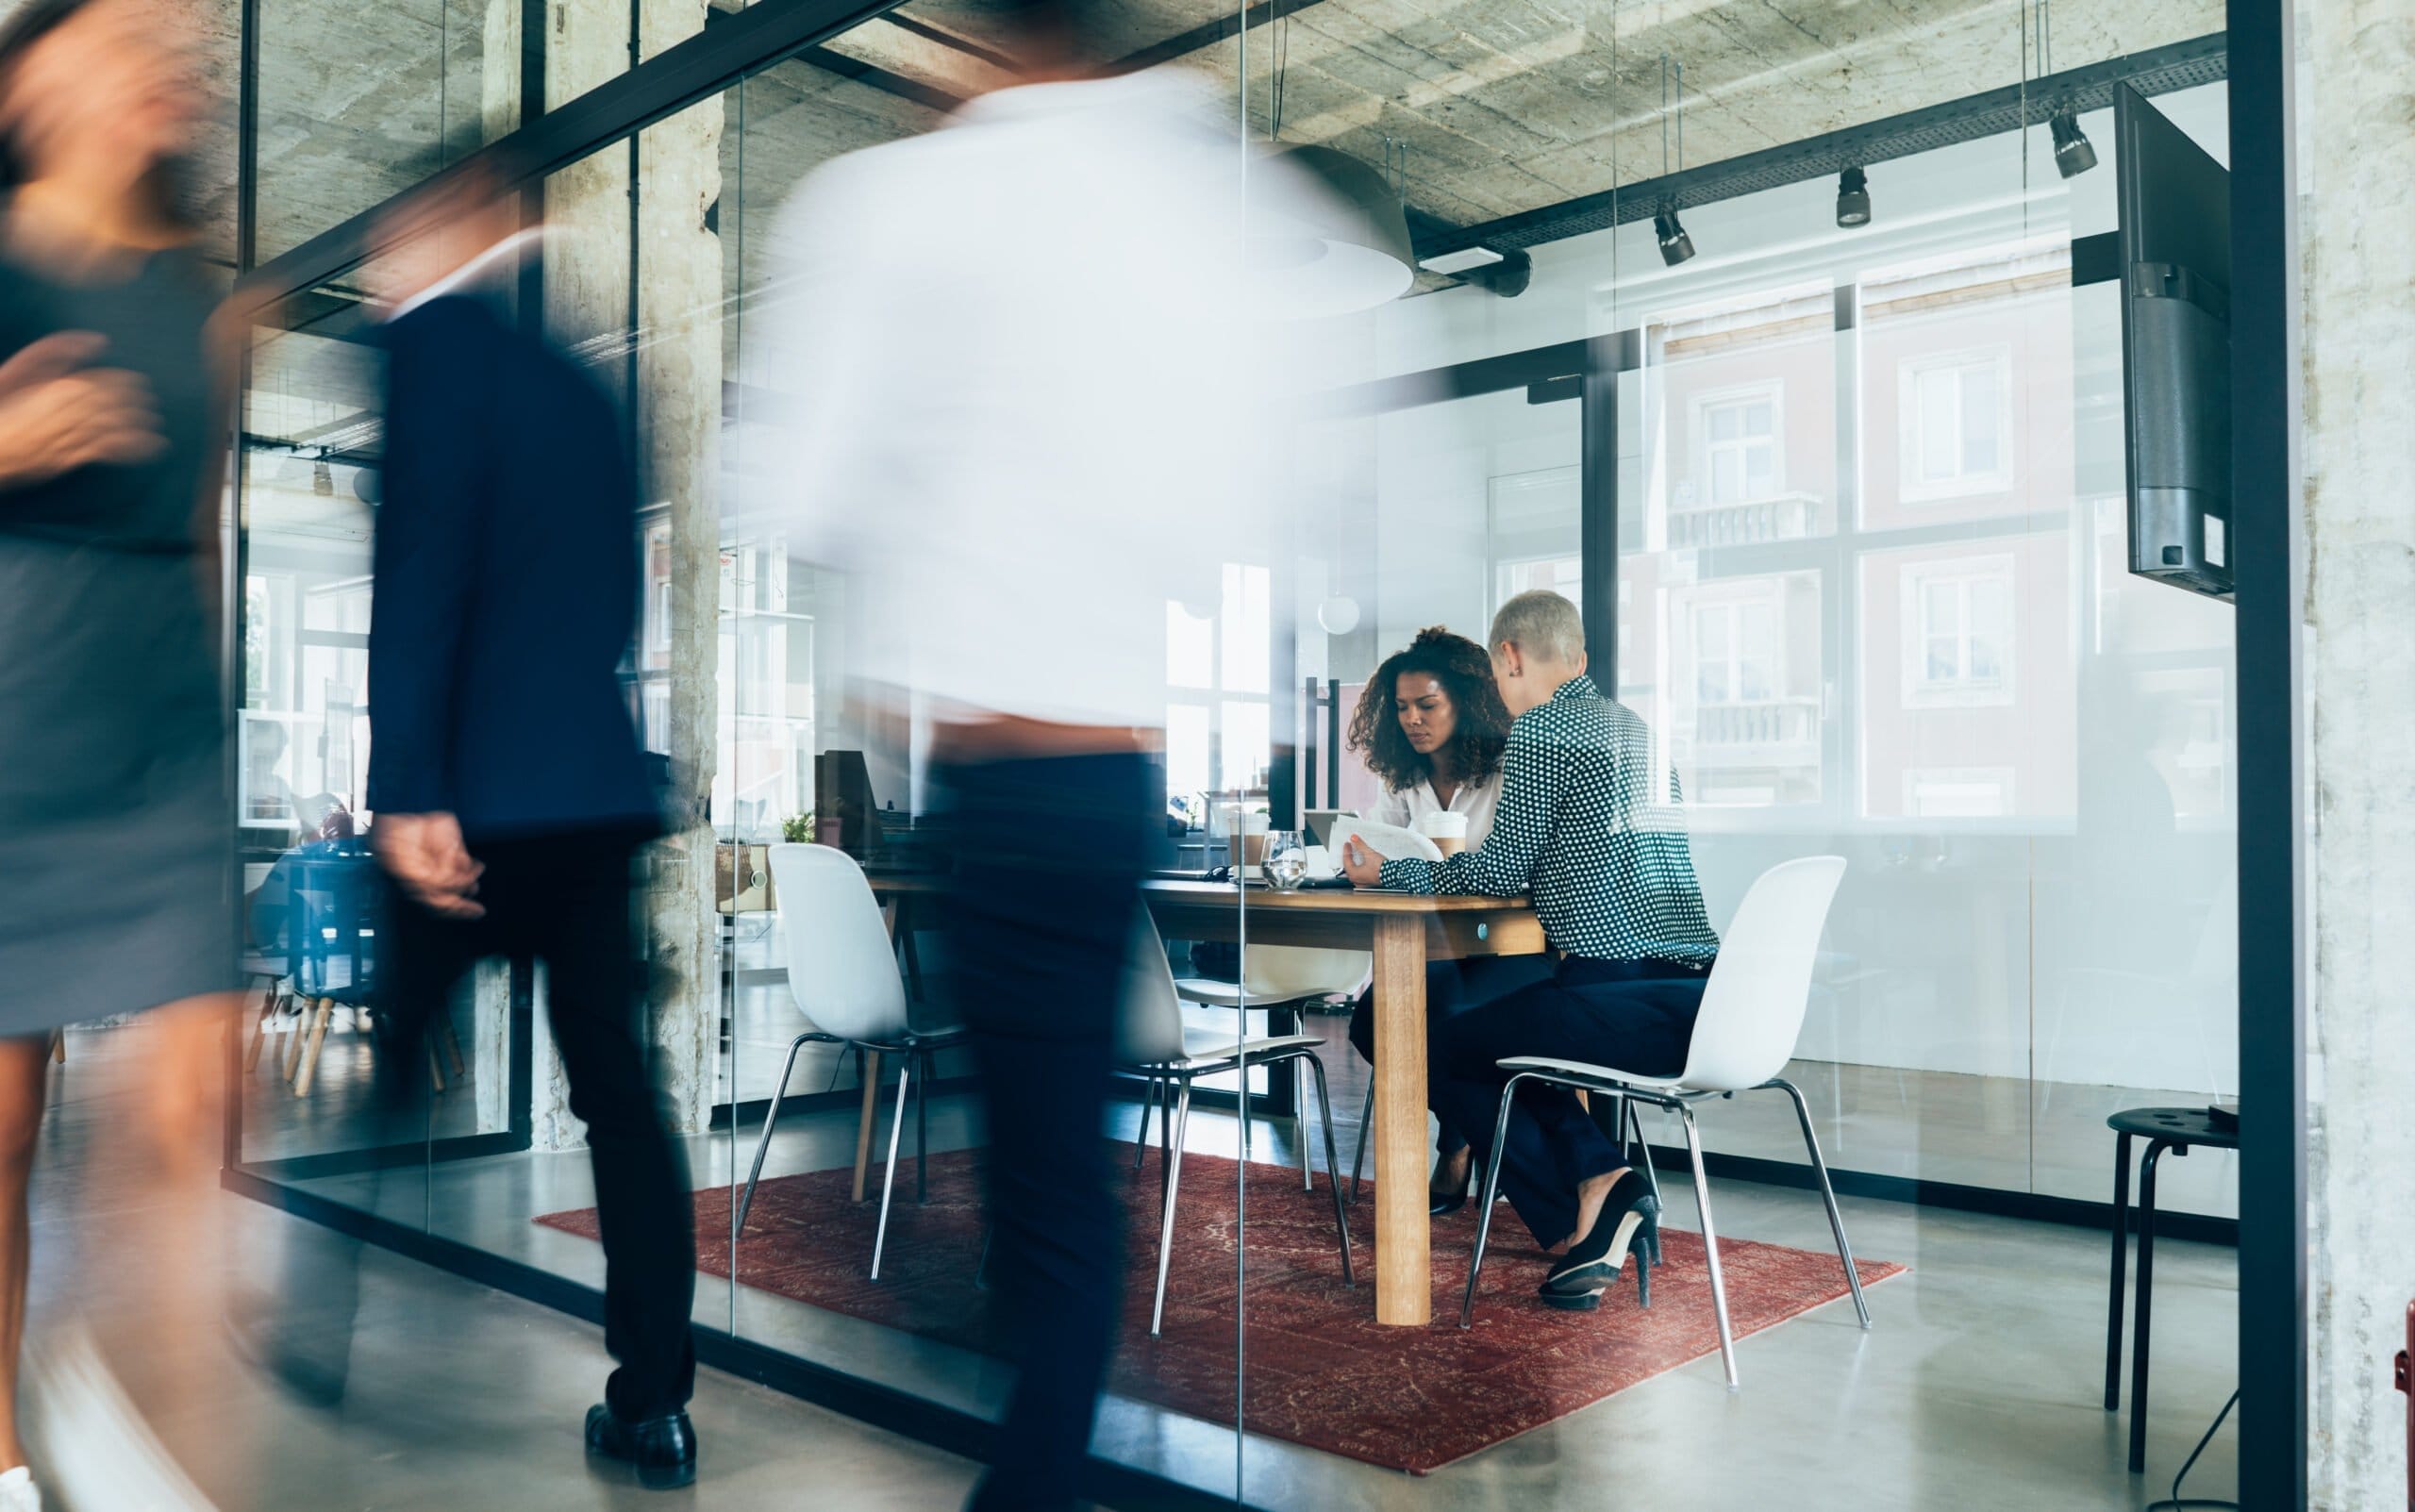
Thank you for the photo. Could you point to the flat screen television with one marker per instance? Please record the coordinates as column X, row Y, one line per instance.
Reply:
column 2174, row 243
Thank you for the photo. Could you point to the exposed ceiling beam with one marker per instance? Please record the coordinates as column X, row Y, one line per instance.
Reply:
column 2157, row 71
column 1207, row 34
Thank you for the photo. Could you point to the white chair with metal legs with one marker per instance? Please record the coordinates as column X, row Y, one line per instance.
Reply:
column 842, row 973
column 1153, row 1043
column 1274, row 976
column 1751, row 1015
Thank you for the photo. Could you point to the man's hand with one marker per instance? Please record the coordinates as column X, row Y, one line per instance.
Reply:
column 425, row 854
column 57, row 414
column 1361, row 864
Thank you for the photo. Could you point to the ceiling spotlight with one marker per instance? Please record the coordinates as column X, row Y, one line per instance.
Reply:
column 1675, row 247
column 1852, row 198
column 2074, row 155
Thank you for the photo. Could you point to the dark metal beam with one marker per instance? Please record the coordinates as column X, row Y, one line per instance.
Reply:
column 2157, row 71
column 672, row 80
column 880, row 78
column 2269, row 548
column 1207, row 34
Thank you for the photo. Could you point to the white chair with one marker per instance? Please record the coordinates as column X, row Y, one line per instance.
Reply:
column 842, row 973
column 1752, row 1011
column 1274, row 976
column 1153, row 1043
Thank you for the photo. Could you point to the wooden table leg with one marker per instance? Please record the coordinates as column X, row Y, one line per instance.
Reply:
column 864, row 1118
column 1403, row 1233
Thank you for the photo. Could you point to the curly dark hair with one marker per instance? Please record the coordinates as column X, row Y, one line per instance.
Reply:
column 1465, row 671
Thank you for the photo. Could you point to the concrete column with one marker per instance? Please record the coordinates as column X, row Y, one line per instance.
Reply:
column 681, row 273
column 2357, row 88
column 667, row 371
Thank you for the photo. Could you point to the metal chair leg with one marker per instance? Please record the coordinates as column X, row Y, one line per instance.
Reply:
column 1827, row 1194
column 921, row 1128
column 1140, row 1141
column 1174, row 1189
column 2121, row 1253
column 889, row 1174
column 1651, row 1176
column 1366, row 1122
column 1711, row 1247
column 1491, row 1190
column 1341, row 1214
column 1300, row 1123
column 771, row 1116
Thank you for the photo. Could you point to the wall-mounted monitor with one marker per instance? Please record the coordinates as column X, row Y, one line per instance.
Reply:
column 2176, row 348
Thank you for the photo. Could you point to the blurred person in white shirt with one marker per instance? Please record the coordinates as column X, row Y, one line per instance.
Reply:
column 1018, row 360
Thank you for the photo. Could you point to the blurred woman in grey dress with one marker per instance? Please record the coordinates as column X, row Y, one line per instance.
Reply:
column 115, row 860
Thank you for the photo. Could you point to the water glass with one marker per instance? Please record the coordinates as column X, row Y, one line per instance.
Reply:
column 1287, row 859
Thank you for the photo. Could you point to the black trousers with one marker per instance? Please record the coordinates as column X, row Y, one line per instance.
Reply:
column 1048, row 854
column 564, row 900
column 1636, row 1016
column 1452, row 987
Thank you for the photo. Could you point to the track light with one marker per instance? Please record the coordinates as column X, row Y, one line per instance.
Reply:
column 323, row 479
column 2074, row 155
column 1675, row 247
column 1852, row 198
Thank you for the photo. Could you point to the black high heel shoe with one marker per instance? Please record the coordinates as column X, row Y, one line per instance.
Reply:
column 1629, row 1223
column 1443, row 1204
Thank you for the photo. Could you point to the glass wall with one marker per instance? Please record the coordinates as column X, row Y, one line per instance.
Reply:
column 1850, row 501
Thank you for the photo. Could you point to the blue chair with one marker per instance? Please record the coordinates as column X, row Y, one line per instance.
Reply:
column 331, row 939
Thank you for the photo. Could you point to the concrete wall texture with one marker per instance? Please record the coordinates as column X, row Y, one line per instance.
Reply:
column 2357, row 85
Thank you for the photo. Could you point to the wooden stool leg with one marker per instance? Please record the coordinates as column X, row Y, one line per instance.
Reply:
column 435, row 1072
column 293, row 1041
column 870, row 1061
column 452, row 1047
column 260, row 1029
column 309, row 1067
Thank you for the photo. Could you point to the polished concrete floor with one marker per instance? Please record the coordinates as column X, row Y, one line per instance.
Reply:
column 1979, row 1386
column 460, row 1397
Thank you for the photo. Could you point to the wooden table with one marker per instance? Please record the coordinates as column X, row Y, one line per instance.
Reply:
column 1404, row 933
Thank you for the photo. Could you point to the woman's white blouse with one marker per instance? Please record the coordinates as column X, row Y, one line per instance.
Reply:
column 1476, row 800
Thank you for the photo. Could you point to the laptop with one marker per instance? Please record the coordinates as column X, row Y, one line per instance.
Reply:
column 1321, row 822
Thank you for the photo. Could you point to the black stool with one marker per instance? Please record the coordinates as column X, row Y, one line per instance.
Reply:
column 2163, row 1128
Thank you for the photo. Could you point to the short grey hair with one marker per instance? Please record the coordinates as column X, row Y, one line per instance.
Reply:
column 1542, row 623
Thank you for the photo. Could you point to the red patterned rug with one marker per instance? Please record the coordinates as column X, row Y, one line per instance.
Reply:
column 1322, row 1371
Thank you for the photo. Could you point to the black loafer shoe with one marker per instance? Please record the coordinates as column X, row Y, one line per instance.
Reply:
column 661, row 1450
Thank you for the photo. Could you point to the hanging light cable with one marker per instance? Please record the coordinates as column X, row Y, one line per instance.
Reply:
column 1675, row 247
column 1332, row 235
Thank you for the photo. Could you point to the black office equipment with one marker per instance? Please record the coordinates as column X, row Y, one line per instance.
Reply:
column 2174, row 243
column 844, row 816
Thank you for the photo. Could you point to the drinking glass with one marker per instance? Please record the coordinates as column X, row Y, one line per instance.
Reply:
column 1287, row 859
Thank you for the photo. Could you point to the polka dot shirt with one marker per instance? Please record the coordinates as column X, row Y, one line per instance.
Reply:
column 1579, row 827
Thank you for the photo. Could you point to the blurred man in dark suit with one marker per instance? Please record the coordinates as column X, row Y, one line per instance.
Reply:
column 510, row 792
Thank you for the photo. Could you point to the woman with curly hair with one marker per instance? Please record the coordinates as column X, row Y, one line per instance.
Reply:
column 1431, row 726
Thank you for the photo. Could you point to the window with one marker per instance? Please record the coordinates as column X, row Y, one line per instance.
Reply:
column 1736, row 651
column 1217, row 671
column 1956, row 423
column 1563, row 575
column 1736, row 440
column 1958, row 633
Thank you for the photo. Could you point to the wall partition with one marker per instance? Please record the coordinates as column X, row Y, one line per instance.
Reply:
column 1842, row 507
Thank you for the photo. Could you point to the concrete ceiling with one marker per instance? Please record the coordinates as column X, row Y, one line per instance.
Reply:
column 1495, row 107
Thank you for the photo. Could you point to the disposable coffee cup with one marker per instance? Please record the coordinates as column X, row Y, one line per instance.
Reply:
column 1448, row 831
column 1245, row 833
